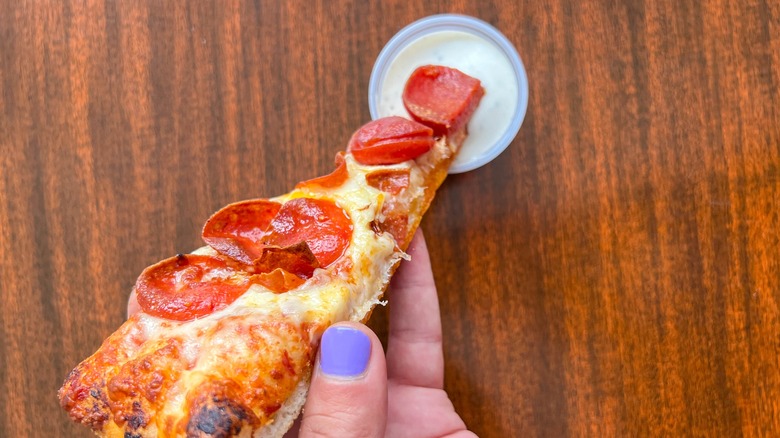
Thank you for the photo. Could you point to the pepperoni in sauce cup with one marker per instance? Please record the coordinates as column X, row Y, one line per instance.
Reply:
column 473, row 47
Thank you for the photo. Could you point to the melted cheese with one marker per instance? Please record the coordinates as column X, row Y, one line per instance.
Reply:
column 325, row 296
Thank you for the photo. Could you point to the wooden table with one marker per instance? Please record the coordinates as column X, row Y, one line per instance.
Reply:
column 615, row 272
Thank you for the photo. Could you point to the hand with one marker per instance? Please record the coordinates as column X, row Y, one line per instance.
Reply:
column 356, row 392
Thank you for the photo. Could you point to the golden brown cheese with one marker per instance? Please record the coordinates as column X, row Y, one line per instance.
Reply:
column 244, row 369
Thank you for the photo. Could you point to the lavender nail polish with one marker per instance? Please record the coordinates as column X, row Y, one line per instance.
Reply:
column 344, row 352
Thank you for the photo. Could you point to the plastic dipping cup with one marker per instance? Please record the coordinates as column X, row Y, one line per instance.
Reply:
column 473, row 47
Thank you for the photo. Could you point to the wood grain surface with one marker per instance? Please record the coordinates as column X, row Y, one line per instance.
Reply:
column 615, row 272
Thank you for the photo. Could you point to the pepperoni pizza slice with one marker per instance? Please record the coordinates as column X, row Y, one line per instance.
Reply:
column 226, row 339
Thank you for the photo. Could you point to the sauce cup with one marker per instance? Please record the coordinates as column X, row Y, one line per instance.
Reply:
column 473, row 47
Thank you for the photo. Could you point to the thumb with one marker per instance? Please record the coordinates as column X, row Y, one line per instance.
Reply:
column 348, row 392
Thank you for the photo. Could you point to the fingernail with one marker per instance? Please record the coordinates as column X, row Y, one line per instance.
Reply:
column 344, row 352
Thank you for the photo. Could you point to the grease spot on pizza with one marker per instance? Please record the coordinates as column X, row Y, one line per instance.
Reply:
column 287, row 364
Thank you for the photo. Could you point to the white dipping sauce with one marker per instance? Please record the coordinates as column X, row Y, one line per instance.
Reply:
column 474, row 56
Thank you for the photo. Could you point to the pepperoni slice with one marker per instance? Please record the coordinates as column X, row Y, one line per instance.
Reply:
column 396, row 224
column 296, row 259
column 390, row 140
column 279, row 280
column 186, row 287
column 323, row 225
column 237, row 229
column 441, row 97
column 392, row 181
column 331, row 180
column 261, row 232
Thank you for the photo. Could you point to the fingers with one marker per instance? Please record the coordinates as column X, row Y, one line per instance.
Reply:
column 348, row 392
column 132, row 304
column 414, row 352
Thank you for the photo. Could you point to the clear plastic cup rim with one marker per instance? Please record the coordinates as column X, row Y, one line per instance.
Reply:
column 455, row 22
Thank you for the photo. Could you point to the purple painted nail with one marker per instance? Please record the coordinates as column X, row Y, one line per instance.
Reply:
column 344, row 352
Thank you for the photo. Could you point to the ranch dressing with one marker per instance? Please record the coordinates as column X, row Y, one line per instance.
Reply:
column 474, row 56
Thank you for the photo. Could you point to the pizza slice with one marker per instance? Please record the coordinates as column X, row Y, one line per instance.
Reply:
column 226, row 339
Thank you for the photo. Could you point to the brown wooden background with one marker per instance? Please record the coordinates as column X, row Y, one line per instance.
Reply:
column 616, row 272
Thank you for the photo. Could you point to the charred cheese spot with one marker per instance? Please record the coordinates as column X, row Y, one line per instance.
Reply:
column 136, row 418
column 83, row 400
column 83, row 394
column 215, row 412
